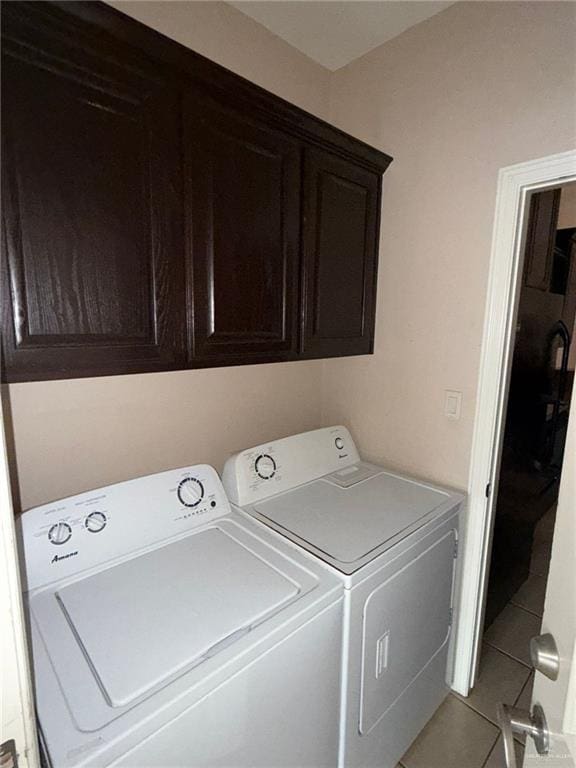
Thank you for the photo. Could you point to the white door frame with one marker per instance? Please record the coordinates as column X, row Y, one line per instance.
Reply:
column 17, row 720
column 515, row 185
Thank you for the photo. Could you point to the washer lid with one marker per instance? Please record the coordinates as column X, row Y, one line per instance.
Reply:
column 347, row 523
column 146, row 619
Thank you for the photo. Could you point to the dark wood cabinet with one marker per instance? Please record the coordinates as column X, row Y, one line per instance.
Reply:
column 91, row 209
column 161, row 212
column 342, row 202
column 244, row 201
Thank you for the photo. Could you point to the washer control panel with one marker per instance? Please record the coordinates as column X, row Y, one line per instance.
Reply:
column 86, row 530
column 271, row 468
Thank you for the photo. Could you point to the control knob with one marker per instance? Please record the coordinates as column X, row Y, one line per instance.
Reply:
column 59, row 533
column 190, row 492
column 95, row 522
column 265, row 466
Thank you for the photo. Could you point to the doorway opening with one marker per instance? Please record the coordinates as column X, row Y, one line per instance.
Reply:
column 537, row 409
column 541, row 378
column 516, row 186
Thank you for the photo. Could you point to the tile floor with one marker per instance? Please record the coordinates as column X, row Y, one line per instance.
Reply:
column 463, row 733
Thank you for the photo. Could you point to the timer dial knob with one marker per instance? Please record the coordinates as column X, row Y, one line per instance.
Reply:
column 59, row 533
column 190, row 492
column 95, row 522
column 265, row 466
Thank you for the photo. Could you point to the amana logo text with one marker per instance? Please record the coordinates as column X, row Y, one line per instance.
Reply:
column 57, row 558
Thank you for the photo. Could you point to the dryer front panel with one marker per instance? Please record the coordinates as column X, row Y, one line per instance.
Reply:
column 406, row 624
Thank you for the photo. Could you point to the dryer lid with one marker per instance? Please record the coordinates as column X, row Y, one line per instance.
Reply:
column 144, row 620
column 347, row 523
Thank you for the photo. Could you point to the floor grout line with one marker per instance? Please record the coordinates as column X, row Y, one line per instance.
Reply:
column 490, row 752
column 524, row 686
column 481, row 714
column 524, row 664
column 516, row 605
column 504, row 653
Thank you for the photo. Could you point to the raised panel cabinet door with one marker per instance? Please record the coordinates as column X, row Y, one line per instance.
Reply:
column 242, row 197
column 341, row 219
column 93, row 232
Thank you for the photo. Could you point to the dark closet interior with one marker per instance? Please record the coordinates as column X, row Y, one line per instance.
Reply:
column 541, row 383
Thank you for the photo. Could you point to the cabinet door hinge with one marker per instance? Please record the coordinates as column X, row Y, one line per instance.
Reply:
column 455, row 548
column 488, row 489
column 450, row 616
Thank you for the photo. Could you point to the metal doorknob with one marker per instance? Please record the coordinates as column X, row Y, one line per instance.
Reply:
column 513, row 720
column 544, row 655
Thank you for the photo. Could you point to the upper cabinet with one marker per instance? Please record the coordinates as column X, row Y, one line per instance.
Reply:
column 243, row 196
column 341, row 207
column 92, row 218
column 162, row 213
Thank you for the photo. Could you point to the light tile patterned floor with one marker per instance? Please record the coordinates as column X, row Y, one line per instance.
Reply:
column 463, row 733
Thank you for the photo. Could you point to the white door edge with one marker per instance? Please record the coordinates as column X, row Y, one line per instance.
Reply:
column 515, row 184
column 558, row 697
column 17, row 701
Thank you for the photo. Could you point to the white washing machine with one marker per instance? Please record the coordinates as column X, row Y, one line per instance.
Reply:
column 393, row 543
column 168, row 630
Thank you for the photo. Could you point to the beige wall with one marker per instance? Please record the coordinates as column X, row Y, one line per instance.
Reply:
column 230, row 38
column 475, row 88
column 78, row 434
column 75, row 435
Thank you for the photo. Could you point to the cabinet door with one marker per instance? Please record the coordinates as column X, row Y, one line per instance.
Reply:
column 93, row 231
column 341, row 218
column 243, row 200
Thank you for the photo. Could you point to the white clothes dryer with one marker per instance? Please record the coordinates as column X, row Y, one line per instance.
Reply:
column 168, row 630
column 393, row 543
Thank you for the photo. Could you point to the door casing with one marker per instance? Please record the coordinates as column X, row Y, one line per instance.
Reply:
column 516, row 184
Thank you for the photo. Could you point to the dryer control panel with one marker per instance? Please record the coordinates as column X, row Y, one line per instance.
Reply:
column 92, row 528
column 262, row 471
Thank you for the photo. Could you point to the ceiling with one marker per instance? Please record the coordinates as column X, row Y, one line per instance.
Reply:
column 335, row 33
